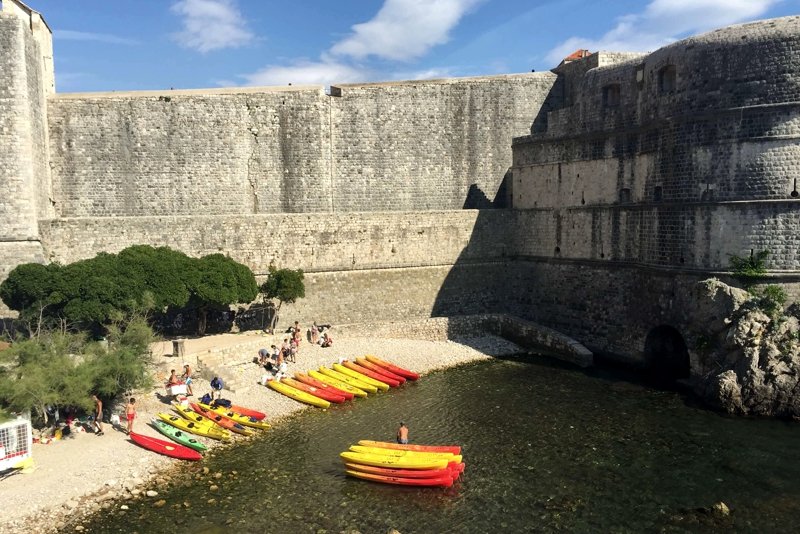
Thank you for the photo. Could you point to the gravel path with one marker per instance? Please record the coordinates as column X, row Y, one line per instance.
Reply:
column 85, row 473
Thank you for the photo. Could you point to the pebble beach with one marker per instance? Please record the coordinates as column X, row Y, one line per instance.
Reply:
column 84, row 474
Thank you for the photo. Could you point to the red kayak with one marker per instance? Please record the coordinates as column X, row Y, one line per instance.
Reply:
column 167, row 448
column 363, row 362
column 317, row 392
column 445, row 481
column 372, row 374
column 451, row 471
column 313, row 382
column 454, row 449
column 247, row 412
column 393, row 368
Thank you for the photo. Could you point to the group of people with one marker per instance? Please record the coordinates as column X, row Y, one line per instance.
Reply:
column 185, row 378
column 97, row 423
column 275, row 359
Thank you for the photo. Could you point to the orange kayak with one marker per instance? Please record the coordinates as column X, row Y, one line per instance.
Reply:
column 224, row 422
column 444, row 481
column 451, row 471
column 311, row 390
column 372, row 374
column 305, row 379
column 363, row 362
column 393, row 368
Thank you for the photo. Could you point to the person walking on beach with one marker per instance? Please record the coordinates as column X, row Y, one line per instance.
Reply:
column 97, row 424
column 130, row 414
column 402, row 434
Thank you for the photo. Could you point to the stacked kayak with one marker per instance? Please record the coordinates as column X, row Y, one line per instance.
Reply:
column 406, row 465
column 224, row 422
column 204, row 427
column 243, row 420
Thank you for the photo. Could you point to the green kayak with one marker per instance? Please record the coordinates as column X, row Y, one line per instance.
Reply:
column 178, row 436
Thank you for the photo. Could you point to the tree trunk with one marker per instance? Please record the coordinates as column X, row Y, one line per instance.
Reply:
column 202, row 321
column 274, row 319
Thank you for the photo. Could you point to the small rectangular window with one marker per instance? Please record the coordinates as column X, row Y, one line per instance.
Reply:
column 667, row 77
column 611, row 95
column 657, row 193
column 624, row 195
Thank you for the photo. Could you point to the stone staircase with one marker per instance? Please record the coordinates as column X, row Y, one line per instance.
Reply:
column 226, row 363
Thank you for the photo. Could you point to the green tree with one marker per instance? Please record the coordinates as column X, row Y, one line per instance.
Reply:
column 220, row 282
column 283, row 285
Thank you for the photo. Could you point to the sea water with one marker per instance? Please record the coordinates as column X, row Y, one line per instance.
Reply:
column 547, row 448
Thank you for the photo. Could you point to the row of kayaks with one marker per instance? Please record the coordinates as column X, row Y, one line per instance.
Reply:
column 215, row 422
column 343, row 381
column 405, row 465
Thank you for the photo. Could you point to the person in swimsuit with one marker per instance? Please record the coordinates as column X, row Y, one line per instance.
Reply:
column 130, row 414
column 98, row 416
column 402, row 434
column 187, row 379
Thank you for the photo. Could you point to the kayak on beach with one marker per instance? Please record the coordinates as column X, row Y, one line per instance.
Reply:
column 178, row 436
column 338, row 384
column 224, row 422
column 236, row 417
column 383, row 386
column 392, row 367
column 202, row 428
column 348, row 380
column 247, row 412
column 296, row 394
column 363, row 362
column 313, row 382
column 454, row 449
column 311, row 390
column 167, row 448
column 372, row 374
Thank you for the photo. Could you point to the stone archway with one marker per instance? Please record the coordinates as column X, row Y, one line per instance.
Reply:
column 666, row 356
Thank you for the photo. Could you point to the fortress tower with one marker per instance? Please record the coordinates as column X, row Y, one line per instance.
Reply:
column 26, row 80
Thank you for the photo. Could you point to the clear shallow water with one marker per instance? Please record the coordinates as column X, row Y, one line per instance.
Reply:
column 547, row 449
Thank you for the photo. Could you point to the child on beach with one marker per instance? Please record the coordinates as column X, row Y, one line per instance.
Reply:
column 130, row 414
column 187, row 379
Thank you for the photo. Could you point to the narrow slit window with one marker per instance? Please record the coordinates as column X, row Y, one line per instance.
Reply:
column 667, row 77
column 611, row 95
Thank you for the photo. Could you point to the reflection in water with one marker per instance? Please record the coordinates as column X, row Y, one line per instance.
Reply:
column 546, row 448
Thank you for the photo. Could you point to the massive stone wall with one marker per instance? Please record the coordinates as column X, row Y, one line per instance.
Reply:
column 376, row 147
column 680, row 157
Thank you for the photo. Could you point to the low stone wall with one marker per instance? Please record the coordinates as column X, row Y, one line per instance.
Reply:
column 527, row 334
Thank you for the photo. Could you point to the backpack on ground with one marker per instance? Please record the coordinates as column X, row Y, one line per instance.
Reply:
column 205, row 399
column 225, row 403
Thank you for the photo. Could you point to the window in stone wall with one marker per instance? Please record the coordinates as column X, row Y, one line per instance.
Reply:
column 658, row 193
column 624, row 195
column 611, row 95
column 666, row 79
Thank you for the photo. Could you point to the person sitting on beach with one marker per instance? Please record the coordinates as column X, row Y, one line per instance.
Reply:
column 327, row 340
column 402, row 434
column 187, row 379
column 173, row 379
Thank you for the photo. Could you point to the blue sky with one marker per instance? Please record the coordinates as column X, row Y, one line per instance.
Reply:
column 103, row 45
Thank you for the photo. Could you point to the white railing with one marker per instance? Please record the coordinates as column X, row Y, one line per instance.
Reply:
column 16, row 441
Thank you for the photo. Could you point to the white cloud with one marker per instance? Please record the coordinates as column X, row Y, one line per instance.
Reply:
column 211, row 25
column 404, row 29
column 664, row 21
column 304, row 72
column 70, row 35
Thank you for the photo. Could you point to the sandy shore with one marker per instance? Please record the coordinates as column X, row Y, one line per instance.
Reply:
column 85, row 473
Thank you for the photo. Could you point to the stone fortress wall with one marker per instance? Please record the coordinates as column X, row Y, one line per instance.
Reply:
column 630, row 176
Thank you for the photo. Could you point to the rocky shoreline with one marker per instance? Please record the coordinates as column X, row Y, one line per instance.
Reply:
column 87, row 475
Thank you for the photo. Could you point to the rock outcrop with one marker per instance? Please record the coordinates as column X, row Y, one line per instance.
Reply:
column 749, row 359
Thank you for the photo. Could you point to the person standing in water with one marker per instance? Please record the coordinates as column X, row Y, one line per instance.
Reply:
column 402, row 434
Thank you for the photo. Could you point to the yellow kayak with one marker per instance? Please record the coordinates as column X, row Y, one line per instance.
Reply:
column 348, row 380
column 191, row 415
column 358, row 376
column 296, row 394
column 344, row 386
column 399, row 462
column 199, row 428
column 450, row 457
column 239, row 418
